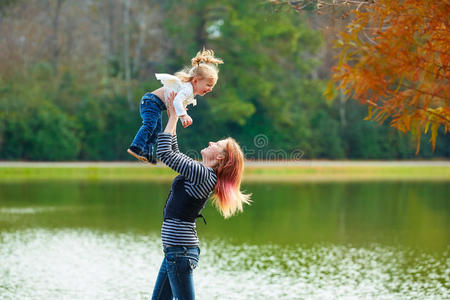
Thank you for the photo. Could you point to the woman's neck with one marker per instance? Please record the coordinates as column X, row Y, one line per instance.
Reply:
column 210, row 164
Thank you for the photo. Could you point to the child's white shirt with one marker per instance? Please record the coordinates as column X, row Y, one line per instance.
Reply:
column 184, row 90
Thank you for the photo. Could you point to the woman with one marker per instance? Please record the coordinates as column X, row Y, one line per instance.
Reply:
column 220, row 171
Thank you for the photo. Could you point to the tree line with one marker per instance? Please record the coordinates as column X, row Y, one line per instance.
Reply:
column 72, row 74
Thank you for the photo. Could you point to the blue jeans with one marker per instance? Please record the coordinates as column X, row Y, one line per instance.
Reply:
column 150, row 110
column 175, row 278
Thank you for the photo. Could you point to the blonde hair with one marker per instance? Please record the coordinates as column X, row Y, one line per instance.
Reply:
column 204, row 65
column 227, row 196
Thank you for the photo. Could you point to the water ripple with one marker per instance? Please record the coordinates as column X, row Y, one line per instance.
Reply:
column 87, row 264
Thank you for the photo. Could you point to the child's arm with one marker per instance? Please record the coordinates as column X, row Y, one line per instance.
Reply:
column 185, row 93
column 186, row 120
column 182, row 95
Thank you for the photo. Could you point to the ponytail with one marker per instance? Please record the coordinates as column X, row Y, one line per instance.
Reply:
column 204, row 65
column 206, row 57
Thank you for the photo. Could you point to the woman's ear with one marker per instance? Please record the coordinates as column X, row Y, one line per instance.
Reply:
column 220, row 157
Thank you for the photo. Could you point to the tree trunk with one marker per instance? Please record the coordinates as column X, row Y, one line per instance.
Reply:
column 200, row 30
column 342, row 108
column 111, row 30
column 105, row 47
column 55, row 49
column 331, row 61
column 126, row 51
column 141, row 19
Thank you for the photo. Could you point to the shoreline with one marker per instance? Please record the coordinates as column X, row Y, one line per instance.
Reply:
column 248, row 163
column 280, row 171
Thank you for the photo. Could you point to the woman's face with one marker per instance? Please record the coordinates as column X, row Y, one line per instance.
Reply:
column 203, row 86
column 214, row 151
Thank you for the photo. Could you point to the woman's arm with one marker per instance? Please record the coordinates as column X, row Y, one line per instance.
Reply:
column 171, row 125
column 194, row 171
column 175, row 147
column 174, row 131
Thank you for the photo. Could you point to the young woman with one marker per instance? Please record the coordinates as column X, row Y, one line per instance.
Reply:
column 220, row 172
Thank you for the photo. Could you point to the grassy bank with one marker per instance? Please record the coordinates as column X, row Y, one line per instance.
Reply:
column 349, row 173
column 253, row 172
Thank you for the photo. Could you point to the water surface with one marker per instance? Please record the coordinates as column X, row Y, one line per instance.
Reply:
column 100, row 240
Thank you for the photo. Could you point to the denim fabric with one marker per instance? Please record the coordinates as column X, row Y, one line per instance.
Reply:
column 150, row 110
column 175, row 278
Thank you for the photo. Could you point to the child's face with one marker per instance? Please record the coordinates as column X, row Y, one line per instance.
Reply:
column 203, row 86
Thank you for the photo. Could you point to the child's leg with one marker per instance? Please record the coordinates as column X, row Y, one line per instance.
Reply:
column 147, row 148
column 150, row 147
column 154, row 138
column 150, row 114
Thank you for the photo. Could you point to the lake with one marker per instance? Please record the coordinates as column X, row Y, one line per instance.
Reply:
column 355, row 240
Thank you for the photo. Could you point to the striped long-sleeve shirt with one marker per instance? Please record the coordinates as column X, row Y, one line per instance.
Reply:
column 199, row 183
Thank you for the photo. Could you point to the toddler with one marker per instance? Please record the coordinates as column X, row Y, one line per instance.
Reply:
column 199, row 79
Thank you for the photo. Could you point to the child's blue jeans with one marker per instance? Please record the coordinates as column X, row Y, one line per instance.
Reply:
column 175, row 277
column 150, row 110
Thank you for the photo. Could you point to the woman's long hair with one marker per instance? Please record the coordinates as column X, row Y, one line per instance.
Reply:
column 227, row 196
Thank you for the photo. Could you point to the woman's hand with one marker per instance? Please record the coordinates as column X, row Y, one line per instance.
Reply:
column 170, row 108
column 171, row 125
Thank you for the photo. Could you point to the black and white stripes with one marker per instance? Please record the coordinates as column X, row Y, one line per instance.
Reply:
column 199, row 183
column 180, row 233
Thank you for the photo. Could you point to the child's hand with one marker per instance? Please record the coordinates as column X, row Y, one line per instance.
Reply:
column 186, row 120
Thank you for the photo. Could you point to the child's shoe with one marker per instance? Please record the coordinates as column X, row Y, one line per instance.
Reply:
column 136, row 153
column 151, row 159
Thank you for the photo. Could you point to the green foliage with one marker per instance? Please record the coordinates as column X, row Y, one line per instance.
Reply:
column 5, row 3
column 266, row 88
column 39, row 133
column 52, row 135
column 327, row 142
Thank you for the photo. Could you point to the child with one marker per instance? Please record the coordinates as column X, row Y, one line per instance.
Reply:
column 199, row 79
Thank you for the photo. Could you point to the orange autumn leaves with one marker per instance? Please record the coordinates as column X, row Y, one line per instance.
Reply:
column 395, row 58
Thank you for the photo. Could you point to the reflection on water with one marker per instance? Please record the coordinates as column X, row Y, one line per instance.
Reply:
column 86, row 264
column 84, row 240
column 31, row 210
column 75, row 264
